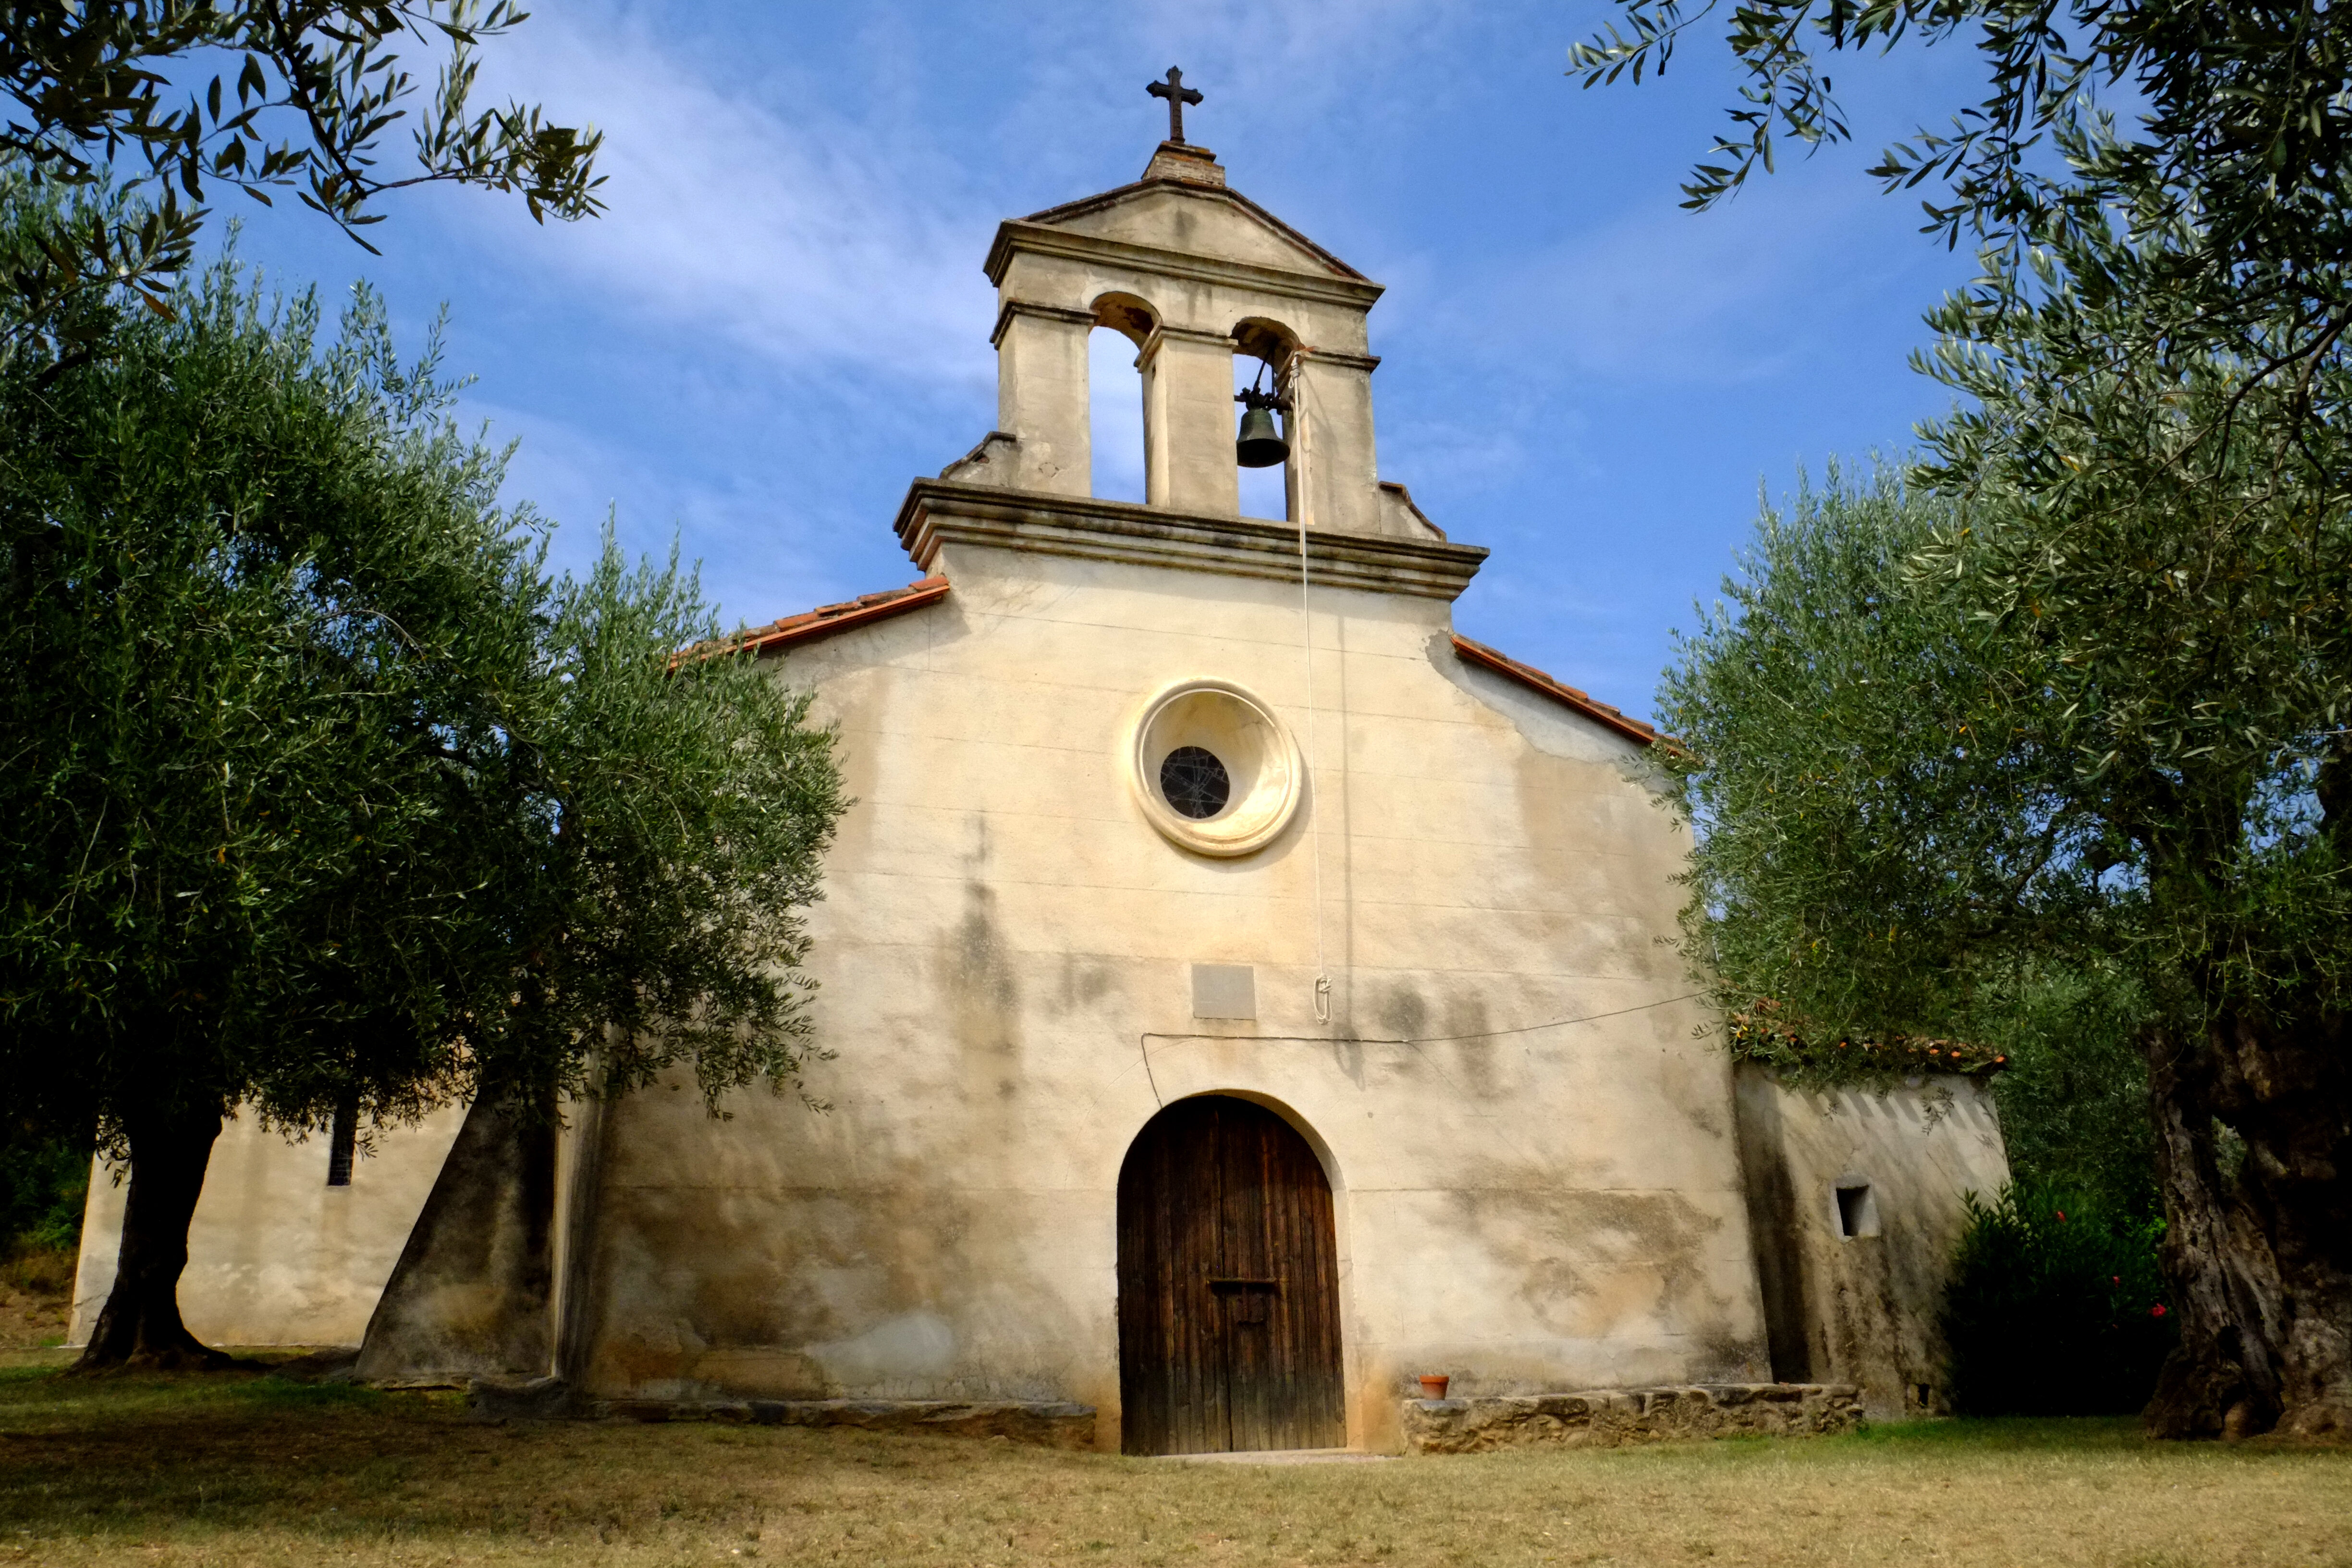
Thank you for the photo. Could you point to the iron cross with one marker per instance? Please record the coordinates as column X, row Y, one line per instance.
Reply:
column 1178, row 95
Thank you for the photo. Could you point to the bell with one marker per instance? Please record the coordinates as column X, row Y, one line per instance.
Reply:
column 1260, row 444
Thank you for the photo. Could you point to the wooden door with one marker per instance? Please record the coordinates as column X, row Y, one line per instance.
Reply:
column 1228, row 1286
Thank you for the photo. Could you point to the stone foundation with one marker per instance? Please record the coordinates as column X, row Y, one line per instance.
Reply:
column 1046, row 1424
column 1608, row 1418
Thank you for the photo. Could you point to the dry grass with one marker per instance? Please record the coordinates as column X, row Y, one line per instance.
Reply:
column 170, row 1472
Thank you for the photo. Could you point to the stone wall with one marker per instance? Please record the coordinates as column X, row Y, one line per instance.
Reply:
column 472, row 1294
column 1609, row 1418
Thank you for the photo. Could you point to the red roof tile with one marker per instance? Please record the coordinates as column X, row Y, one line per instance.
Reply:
column 827, row 619
column 1528, row 674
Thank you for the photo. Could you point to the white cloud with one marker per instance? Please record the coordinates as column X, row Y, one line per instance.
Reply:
column 767, row 552
column 828, row 227
column 812, row 242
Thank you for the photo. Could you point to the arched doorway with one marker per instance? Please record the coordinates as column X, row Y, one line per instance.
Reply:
column 1228, row 1286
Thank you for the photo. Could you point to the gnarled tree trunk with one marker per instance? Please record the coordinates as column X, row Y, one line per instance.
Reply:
column 140, row 1325
column 2260, row 1259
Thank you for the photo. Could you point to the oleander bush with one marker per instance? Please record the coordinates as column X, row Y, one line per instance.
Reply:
column 2056, row 1305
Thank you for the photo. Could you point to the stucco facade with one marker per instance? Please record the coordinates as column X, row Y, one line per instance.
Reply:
column 1006, row 949
column 1426, row 920
column 276, row 1256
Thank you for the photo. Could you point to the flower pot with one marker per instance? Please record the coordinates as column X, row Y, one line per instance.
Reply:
column 1432, row 1385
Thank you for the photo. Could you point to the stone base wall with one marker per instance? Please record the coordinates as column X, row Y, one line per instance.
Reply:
column 1047, row 1424
column 1608, row 1418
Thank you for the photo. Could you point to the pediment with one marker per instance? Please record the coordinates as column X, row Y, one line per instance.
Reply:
column 1196, row 220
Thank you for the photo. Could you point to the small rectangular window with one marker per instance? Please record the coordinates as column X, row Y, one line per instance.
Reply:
column 1857, row 1215
column 342, row 1143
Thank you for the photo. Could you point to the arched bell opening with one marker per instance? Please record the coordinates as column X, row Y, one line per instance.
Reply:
column 1264, row 447
column 1228, row 1285
column 1123, row 324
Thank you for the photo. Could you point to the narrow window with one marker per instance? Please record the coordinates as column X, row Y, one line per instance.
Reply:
column 1115, row 411
column 342, row 1143
column 1857, row 1215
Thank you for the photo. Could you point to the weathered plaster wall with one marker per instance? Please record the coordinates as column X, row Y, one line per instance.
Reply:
column 276, row 1256
column 472, row 1295
column 1005, row 952
column 1863, row 1308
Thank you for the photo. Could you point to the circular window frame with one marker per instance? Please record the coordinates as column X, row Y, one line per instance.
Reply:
column 1259, row 810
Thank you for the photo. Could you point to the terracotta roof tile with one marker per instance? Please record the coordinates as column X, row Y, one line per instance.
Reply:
column 827, row 619
column 1528, row 674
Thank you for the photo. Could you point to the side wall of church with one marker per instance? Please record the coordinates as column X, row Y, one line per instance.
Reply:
column 276, row 1256
column 1005, row 951
column 1853, row 1285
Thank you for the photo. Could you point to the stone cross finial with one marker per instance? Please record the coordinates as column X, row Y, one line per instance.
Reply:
column 1178, row 95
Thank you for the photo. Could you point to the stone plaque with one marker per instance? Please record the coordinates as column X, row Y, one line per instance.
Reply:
column 1225, row 991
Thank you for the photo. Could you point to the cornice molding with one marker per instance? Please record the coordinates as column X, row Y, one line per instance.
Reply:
column 1365, row 363
column 940, row 511
column 1011, row 308
column 1191, row 335
column 1018, row 234
column 1219, row 191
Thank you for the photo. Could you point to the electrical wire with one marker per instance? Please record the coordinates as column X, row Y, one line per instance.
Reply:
column 1297, row 390
column 1414, row 1042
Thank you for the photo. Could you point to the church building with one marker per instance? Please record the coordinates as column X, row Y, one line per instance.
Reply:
column 1248, row 993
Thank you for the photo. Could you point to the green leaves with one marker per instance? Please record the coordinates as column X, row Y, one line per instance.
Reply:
column 1940, row 751
column 1871, row 797
column 2057, row 1305
column 92, row 85
column 319, row 788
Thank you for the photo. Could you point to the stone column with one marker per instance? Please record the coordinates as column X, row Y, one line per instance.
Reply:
column 1041, row 395
column 1332, row 395
column 1189, row 419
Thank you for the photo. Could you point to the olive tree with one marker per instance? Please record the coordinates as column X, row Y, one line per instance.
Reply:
column 1951, row 755
column 2134, row 758
column 298, row 98
column 322, row 794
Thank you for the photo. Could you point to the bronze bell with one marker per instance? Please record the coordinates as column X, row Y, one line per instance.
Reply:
column 1260, row 444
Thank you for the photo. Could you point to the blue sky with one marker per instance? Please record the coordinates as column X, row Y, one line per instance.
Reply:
column 782, row 319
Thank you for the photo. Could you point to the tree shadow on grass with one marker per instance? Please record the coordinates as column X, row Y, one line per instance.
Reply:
column 198, row 1457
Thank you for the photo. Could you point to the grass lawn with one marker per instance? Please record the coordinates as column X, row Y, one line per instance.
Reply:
column 160, row 1471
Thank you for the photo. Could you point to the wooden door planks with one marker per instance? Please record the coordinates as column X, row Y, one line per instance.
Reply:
column 1228, row 1285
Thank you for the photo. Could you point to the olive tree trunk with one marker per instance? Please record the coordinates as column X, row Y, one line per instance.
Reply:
column 2259, row 1258
column 140, row 1325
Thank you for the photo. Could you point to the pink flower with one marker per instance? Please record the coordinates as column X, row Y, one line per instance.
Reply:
column 2157, row 1311
column 2061, row 1216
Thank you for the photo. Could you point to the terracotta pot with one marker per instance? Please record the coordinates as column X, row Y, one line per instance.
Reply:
column 1432, row 1385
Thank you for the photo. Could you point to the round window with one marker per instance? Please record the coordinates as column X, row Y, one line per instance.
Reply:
column 1215, row 770
column 1193, row 782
